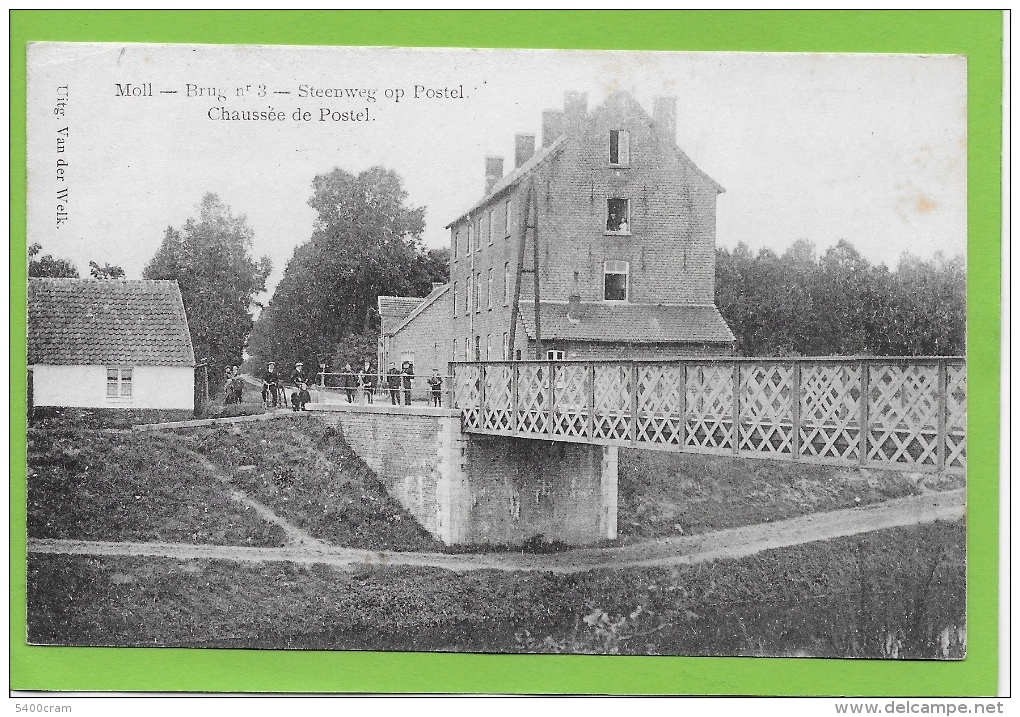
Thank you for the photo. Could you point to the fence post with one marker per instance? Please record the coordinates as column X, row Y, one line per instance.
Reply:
column 940, row 427
column 514, row 373
column 590, row 400
column 682, row 433
column 633, row 402
column 551, row 422
column 795, row 408
column 862, row 434
column 736, row 408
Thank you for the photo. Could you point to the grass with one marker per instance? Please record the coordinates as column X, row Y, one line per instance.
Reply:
column 893, row 593
column 100, row 485
column 305, row 472
column 679, row 493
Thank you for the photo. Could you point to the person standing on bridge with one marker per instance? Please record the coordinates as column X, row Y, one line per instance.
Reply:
column 393, row 384
column 367, row 380
column 435, row 383
column 407, row 378
column 349, row 382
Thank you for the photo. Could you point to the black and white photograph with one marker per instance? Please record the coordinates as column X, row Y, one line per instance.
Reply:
column 497, row 351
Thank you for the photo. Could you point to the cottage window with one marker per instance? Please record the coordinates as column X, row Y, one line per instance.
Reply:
column 617, row 274
column 118, row 383
column 619, row 147
column 618, row 216
column 455, row 299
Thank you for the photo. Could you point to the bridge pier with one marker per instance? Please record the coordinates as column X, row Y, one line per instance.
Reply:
column 465, row 488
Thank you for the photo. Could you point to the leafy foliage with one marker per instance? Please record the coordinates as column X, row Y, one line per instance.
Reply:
column 48, row 266
column 840, row 304
column 366, row 242
column 210, row 260
column 107, row 271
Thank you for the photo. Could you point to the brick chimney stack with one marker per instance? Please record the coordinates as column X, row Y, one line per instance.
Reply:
column 493, row 172
column 524, row 148
column 664, row 114
column 575, row 110
column 552, row 126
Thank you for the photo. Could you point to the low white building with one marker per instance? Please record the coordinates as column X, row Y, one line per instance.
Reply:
column 114, row 343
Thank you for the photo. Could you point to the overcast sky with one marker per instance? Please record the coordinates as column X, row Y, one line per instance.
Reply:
column 868, row 148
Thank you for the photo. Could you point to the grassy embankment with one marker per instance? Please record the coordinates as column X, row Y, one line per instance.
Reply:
column 895, row 593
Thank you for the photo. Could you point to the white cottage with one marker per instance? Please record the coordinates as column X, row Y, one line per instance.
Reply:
column 115, row 343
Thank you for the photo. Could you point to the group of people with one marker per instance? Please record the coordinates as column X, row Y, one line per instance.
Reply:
column 274, row 392
column 233, row 385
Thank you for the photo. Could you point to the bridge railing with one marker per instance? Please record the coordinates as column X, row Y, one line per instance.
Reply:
column 906, row 413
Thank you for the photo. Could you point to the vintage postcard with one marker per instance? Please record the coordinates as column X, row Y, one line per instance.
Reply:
column 497, row 351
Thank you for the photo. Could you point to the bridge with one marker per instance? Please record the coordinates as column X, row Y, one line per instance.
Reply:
column 902, row 413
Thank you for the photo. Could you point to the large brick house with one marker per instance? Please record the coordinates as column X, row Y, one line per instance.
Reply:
column 625, row 225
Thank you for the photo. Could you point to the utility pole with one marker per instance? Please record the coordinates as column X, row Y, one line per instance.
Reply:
column 529, row 223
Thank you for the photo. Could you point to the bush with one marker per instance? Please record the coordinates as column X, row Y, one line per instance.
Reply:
column 96, row 418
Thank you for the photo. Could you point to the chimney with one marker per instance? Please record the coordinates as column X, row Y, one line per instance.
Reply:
column 575, row 109
column 664, row 114
column 552, row 126
column 574, row 302
column 524, row 148
column 493, row 172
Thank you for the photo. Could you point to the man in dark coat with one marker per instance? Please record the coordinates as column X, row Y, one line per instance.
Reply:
column 349, row 382
column 300, row 380
column 435, row 383
column 393, row 384
column 407, row 376
column 271, row 386
column 367, row 380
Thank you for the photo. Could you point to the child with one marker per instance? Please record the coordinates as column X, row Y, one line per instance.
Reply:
column 436, row 386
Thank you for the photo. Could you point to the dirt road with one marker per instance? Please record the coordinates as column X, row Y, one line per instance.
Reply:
column 731, row 543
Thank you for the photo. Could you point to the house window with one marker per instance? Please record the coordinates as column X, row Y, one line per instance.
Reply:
column 489, row 293
column 478, row 292
column 506, row 345
column 453, row 242
column 506, row 284
column 118, row 383
column 478, row 235
column 617, row 274
column 619, row 147
column 555, row 355
column 618, row 216
column 467, row 348
column 455, row 298
column 471, row 235
column 455, row 349
column 478, row 348
column 488, row 347
column 492, row 227
column 506, row 222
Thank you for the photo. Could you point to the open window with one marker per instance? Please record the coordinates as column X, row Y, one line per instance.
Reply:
column 616, row 281
column 618, row 216
column 619, row 147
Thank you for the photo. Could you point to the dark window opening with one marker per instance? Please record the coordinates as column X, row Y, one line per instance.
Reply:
column 618, row 216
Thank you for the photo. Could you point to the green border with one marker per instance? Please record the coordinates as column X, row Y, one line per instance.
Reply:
column 977, row 34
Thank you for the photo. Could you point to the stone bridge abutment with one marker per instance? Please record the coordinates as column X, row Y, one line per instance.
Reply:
column 465, row 488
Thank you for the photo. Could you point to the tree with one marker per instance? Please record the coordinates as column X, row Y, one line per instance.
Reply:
column 48, row 266
column 209, row 259
column 366, row 242
column 107, row 271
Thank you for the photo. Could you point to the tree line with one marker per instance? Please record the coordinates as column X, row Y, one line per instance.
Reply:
column 839, row 303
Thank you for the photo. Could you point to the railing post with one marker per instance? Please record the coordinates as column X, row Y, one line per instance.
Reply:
column 795, row 408
column 633, row 401
column 862, row 438
column 481, row 396
column 590, row 400
column 514, row 405
column 736, row 408
column 682, row 433
column 551, row 422
column 940, row 428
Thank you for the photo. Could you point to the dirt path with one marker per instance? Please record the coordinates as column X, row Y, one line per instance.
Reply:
column 295, row 536
column 731, row 543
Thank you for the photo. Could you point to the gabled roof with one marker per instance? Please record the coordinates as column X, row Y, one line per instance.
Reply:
column 131, row 322
column 516, row 176
column 394, row 309
column 630, row 323
column 425, row 303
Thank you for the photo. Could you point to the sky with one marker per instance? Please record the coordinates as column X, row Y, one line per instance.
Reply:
column 867, row 148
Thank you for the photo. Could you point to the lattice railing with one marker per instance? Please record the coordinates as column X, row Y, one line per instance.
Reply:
column 913, row 410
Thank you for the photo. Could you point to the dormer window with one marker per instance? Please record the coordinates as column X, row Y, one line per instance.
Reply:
column 616, row 284
column 619, row 147
column 618, row 216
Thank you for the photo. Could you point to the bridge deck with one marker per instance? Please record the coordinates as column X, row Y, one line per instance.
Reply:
column 913, row 409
